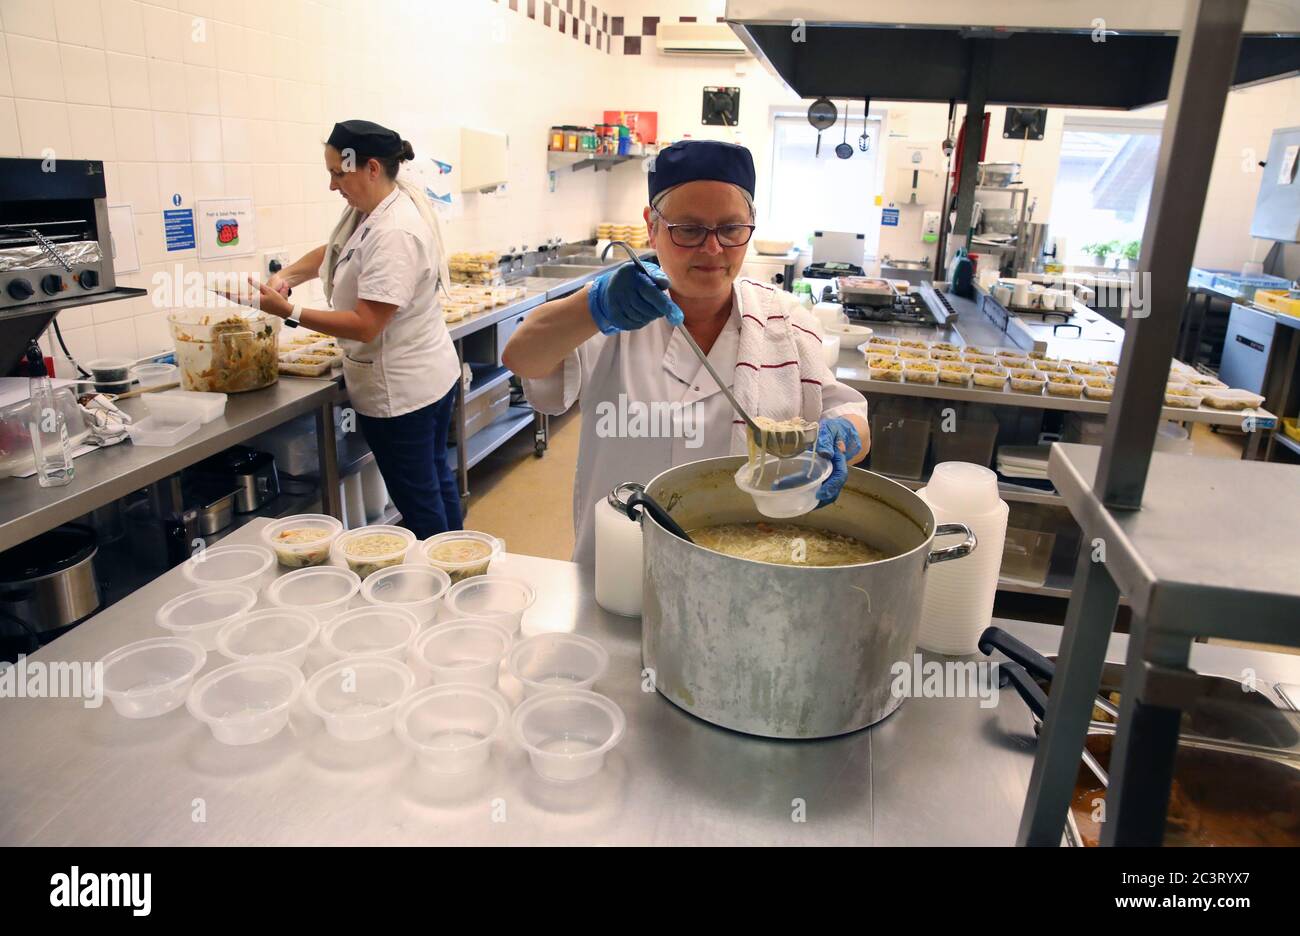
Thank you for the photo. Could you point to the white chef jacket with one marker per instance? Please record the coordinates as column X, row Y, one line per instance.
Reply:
column 392, row 257
column 649, row 366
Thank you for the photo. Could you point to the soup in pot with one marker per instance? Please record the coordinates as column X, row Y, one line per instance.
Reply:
column 785, row 544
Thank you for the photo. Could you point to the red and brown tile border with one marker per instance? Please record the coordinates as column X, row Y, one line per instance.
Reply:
column 584, row 22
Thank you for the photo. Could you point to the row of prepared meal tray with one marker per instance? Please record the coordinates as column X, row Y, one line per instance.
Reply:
column 936, row 362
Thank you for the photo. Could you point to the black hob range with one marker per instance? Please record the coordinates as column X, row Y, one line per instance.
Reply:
column 920, row 307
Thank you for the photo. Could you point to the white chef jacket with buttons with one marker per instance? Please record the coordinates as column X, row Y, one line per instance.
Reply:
column 621, row 375
column 391, row 257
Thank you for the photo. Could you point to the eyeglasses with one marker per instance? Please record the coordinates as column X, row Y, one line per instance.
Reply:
column 694, row 235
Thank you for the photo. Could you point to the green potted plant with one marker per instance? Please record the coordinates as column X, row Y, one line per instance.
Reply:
column 1131, row 252
column 1099, row 251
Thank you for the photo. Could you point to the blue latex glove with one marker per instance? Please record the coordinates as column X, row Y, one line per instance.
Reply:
column 830, row 434
column 624, row 299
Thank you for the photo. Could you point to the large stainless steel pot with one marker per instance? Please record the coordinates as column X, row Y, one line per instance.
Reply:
column 49, row 581
column 784, row 651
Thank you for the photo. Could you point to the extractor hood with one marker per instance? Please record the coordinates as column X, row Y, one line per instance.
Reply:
column 1066, row 53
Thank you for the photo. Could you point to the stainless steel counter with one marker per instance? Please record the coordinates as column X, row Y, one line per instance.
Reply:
column 27, row 509
column 936, row 771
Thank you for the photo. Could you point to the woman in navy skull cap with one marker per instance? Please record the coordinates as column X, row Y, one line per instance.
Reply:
column 613, row 346
column 381, row 271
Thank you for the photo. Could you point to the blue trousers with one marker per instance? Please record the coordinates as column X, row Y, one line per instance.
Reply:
column 411, row 452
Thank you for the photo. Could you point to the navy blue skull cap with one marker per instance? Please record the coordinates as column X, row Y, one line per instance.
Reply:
column 693, row 160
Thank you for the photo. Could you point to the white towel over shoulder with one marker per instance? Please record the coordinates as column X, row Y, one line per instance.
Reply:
column 780, row 369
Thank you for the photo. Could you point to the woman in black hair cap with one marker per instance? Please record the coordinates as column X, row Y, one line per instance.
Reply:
column 381, row 270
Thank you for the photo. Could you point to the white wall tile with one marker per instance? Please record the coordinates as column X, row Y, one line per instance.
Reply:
column 113, row 181
column 133, row 130
column 236, row 141
column 123, row 26
column 79, row 22
column 260, row 53
column 231, row 46
column 29, row 18
column 9, row 141
column 261, row 138
column 167, row 85
column 238, row 179
column 202, row 93
column 42, row 128
column 269, row 233
column 80, row 341
column 165, row 34
column 102, row 313
column 171, row 137
column 235, row 101
column 261, row 97
column 152, row 333
column 85, row 75
column 128, row 80
column 175, row 179
column 199, row 45
column 115, row 341
column 139, row 185
column 92, row 132
column 205, row 138
column 34, row 68
column 266, row 183
column 209, row 180
column 6, row 85
column 76, row 317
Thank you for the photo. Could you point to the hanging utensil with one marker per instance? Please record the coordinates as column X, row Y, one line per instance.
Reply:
column 843, row 150
column 864, row 141
column 784, row 443
column 822, row 115
column 948, row 144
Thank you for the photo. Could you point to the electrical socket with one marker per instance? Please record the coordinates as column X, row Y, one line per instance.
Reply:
column 265, row 258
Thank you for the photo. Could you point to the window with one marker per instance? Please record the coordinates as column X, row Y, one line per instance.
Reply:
column 810, row 192
column 1103, row 184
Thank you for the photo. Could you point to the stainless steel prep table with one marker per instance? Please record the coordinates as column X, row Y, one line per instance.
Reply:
column 935, row 772
column 27, row 509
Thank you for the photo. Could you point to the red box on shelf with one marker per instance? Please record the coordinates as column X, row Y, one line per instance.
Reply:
column 645, row 124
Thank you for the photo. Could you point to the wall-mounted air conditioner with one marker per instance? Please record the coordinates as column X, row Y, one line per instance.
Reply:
column 707, row 39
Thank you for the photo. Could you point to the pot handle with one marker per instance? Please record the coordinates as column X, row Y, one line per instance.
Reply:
column 1016, row 675
column 964, row 548
column 1016, row 650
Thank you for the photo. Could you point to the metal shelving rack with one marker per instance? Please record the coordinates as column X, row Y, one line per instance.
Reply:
column 1180, row 542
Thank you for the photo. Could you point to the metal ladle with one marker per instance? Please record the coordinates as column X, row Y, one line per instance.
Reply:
column 784, row 443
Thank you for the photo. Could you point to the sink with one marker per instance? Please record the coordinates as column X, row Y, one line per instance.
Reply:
column 566, row 270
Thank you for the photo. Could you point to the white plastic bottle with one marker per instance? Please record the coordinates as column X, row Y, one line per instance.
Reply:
column 47, row 426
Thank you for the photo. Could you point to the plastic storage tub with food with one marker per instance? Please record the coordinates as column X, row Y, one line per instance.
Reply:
column 200, row 614
column 1027, row 381
column 357, row 698
column 951, row 372
column 568, row 732
column 451, row 728
column 943, row 354
column 1184, row 398
column 784, row 487
column 372, row 548
column 151, row 677
column 271, row 634
column 989, row 376
column 883, row 368
column 1065, row 385
column 225, row 351
column 1098, row 388
column 324, row 592
column 302, row 540
column 248, row 701
column 921, row 372
column 462, row 554
column 460, row 651
column 913, row 354
column 1226, row 399
column 556, row 660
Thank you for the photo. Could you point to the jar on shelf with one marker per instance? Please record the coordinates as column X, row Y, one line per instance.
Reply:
column 571, row 139
column 555, row 140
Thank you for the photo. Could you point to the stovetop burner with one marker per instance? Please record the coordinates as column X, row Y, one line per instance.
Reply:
column 907, row 309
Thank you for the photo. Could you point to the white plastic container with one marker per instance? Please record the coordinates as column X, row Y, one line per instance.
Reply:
column 784, row 487
column 162, row 431
column 249, row 565
column 354, row 502
column 323, row 591
column 557, row 661
column 151, row 677
column 206, row 406
column 831, row 350
column 358, row 550
column 415, row 588
column 374, row 493
column 496, row 598
column 451, row 728
column 298, row 555
column 386, row 632
column 200, row 614
column 568, row 732
column 272, row 634
column 464, row 651
column 151, row 375
column 246, row 702
column 618, row 560
column 478, row 549
column 358, row 698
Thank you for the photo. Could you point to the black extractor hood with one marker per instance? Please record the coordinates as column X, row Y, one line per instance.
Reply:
column 1062, row 53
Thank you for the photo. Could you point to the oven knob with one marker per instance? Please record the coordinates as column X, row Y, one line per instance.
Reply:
column 52, row 284
column 89, row 279
column 20, row 289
